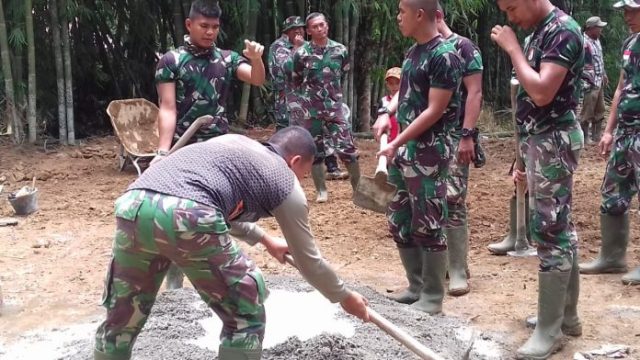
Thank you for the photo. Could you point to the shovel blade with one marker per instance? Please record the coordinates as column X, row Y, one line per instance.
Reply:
column 372, row 195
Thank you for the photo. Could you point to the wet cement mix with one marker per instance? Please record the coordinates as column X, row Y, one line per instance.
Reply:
column 177, row 318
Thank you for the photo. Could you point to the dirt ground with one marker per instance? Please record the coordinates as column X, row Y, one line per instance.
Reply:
column 53, row 262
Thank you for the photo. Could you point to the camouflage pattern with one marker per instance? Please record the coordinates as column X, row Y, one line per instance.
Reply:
column 557, row 39
column 629, row 107
column 152, row 231
column 203, row 82
column 418, row 210
column 622, row 177
column 550, row 159
column 280, row 65
column 317, row 99
column 459, row 173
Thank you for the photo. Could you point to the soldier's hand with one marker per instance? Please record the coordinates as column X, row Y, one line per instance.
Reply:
column 356, row 305
column 519, row 176
column 388, row 150
column 276, row 247
column 505, row 38
column 381, row 126
column 466, row 152
column 298, row 40
column 605, row 144
column 252, row 50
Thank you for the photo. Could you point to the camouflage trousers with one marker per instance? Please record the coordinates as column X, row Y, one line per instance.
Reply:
column 418, row 211
column 152, row 231
column 622, row 177
column 329, row 129
column 550, row 159
column 457, row 182
column 281, row 113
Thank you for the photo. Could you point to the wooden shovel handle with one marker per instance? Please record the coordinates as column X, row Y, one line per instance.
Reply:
column 382, row 160
column 387, row 326
column 195, row 126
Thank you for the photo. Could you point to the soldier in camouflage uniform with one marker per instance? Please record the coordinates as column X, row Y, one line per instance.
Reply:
column 549, row 70
column 318, row 69
column 594, row 80
column 185, row 208
column 195, row 79
column 622, row 176
column 428, row 105
column 463, row 142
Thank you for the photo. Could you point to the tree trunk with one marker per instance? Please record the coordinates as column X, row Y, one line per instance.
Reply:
column 353, row 34
column 178, row 23
column 68, row 76
column 31, row 109
column 57, row 53
column 252, row 9
column 364, row 111
column 14, row 124
column 338, row 23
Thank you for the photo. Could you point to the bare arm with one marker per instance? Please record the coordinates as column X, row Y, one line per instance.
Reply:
column 612, row 122
column 167, row 117
column 473, row 106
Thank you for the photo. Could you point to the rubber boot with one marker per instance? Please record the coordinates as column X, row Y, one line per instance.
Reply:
column 509, row 241
column 596, row 131
column 412, row 262
column 333, row 170
column 585, row 131
column 571, row 324
column 175, row 278
column 228, row 353
column 632, row 277
column 547, row 337
column 99, row 355
column 354, row 174
column 434, row 267
column 317, row 173
column 614, row 231
column 458, row 246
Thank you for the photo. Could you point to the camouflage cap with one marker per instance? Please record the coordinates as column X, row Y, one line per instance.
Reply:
column 393, row 72
column 627, row 3
column 292, row 22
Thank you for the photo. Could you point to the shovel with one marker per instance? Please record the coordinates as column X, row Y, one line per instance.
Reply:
column 195, row 126
column 521, row 247
column 387, row 326
column 375, row 193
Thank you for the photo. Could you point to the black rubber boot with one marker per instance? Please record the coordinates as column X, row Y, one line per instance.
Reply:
column 614, row 231
column 434, row 267
column 317, row 173
column 412, row 263
column 175, row 278
column 458, row 248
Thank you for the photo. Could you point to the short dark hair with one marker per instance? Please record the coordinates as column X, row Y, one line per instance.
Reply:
column 206, row 8
column 294, row 140
column 314, row 15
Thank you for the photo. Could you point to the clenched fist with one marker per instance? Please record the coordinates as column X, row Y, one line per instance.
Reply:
column 505, row 38
column 252, row 50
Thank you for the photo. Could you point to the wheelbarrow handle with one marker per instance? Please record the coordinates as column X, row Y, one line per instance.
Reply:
column 387, row 326
column 382, row 159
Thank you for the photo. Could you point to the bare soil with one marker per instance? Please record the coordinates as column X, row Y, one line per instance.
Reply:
column 53, row 262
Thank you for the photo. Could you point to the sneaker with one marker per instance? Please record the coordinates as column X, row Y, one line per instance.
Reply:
column 337, row 174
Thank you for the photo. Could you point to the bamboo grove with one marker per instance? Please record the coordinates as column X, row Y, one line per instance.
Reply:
column 63, row 61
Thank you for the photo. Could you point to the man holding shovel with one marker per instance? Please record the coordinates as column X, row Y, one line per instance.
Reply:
column 427, row 112
column 185, row 209
column 195, row 80
column 549, row 69
column 622, row 176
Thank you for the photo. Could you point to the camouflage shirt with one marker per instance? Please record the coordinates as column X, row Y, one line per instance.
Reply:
column 629, row 106
column 280, row 62
column 471, row 64
column 593, row 62
column 317, row 74
column 434, row 64
column 557, row 39
column 203, row 82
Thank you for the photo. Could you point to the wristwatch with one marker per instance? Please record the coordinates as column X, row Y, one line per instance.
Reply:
column 162, row 153
column 466, row 132
column 383, row 110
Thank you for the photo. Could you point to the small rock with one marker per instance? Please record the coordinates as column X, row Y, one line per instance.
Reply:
column 41, row 243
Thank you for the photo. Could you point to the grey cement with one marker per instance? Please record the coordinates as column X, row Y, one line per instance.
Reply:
column 172, row 324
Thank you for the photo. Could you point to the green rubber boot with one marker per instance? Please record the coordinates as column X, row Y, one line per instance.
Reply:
column 354, row 173
column 547, row 337
column 317, row 173
column 412, row 263
column 615, row 237
column 571, row 324
column 458, row 246
column 632, row 277
column 508, row 243
column 175, row 278
column 434, row 268
column 228, row 353
column 99, row 355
